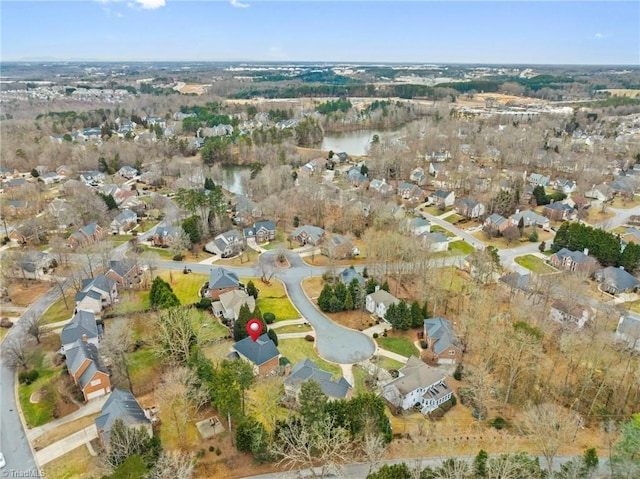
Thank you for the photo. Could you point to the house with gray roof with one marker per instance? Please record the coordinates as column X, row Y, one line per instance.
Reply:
column 127, row 172
column 379, row 301
column 82, row 326
column 469, row 208
column 86, row 369
column 349, row 274
column 221, row 280
column 163, row 235
column 339, row 247
column 418, row 176
column 381, row 186
column 307, row 370
column 35, row 264
column 229, row 304
column 628, row 330
column 417, row 386
column 442, row 198
column 226, row 245
column 573, row 260
column 96, row 293
column 536, row 179
column 616, row 280
column 602, row 192
column 442, row 343
column 530, row 218
column 124, row 222
column 565, row 185
column 262, row 353
column 261, row 231
column 558, row 211
column 496, row 223
column 125, row 272
column 308, row 235
column 121, row 405
column 436, row 242
column 418, row 225
column 88, row 234
column 92, row 178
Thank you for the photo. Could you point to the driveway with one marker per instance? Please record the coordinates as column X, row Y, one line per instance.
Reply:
column 68, row 444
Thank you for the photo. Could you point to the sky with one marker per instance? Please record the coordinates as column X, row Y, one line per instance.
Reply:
column 502, row 32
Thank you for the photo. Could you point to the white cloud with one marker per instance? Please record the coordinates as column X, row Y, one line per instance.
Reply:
column 601, row 35
column 237, row 4
column 150, row 4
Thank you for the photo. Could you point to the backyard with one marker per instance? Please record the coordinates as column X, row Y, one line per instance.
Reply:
column 298, row 349
column 273, row 298
column 534, row 264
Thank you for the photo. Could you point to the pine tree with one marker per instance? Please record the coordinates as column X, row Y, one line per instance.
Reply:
column 404, row 315
column 348, row 302
column 324, row 299
column 341, row 292
column 417, row 319
column 385, row 286
column 251, row 289
column 371, row 285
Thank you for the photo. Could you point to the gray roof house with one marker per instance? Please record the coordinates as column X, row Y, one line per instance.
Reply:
column 262, row 353
column 308, row 234
column 121, row 405
column 573, row 260
column 349, row 274
column 229, row 304
column 616, row 280
column 96, row 293
column 226, row 244
column 124, row 221
column 418, row 385
column 628, row 330
column 435, row 242
column 84, row 365
column 379, row 301
column 442, row 340
column 82, row 326
column 307, row 370
column 221, row 280
column 530, row 218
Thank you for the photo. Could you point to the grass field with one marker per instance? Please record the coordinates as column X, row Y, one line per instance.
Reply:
column 534, row 264
column 293, row 328
column 359, row 375
column 298, row 349
column 57, row 311
column 453, row 219
column 186, row 286
column 460, row 248
column 388, row 363
column 273, row 298
column 398, row 345
column 41, row 412
column 144, row 365
column 132, row 302
column 248, row 257
column 76, row 464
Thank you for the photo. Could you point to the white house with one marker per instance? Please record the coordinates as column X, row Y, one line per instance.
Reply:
column 96, row 293
column 442, row 198
column 628, row 330
column 378, row 302
column 418, row 386
column 435, row 242
column 417, row 226
column 124, row 222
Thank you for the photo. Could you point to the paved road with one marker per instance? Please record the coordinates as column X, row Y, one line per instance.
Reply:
column 334, row 342
column 472, row 240
column 13, row 441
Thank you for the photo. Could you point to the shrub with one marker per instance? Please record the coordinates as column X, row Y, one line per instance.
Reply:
column 200, row 453
column 457, row 374
column 498, row 422
column 437, row 413
column 211, row 448
column 218, row 452
column 5, row 323
column 178, row 257
column 269, row 317
column 309, row 338
column 375, row 335
column 27, row 377
column 204, row 303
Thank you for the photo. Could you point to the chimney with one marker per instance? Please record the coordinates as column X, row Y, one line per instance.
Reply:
column 84, row 338
column 586, row 251
column 377, row 288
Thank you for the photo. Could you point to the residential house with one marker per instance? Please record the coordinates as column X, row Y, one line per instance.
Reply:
column 154, row 120
column 121, row 405
column 229, row 304
column 601, row 192
column 41, row 169
column 438, row 171
column 435, row 242
column 378, row 302
column 127, row 172
column 573, row 260
column 221, row 281
column 50, row 178
column 566, row 313
column 616, row 280
column 349, row 274
column 418, row 176
column 87, row 371
column 338, row 247
column 314, row 167
column 417, row 226
column 35, row 264
column 537, row 179
column 14, row 183
column 262, row 353
column 124, row 222
column 245, row 209
column 356, row 178
column 82, row 327
column 469, row 208
column 529, row 218
column 517, row 282
column 64, row 170
column 126, row 273
column 442, row 198
column 381, row 187
column 92, row 178
column 19, row 208
column 438, row 156
column 227, row 244
column 308, row 235
column 417, row 386
column 8, row 173
column 625, row 185
column 496, row 223
column 411, row 192
column 261, row 231
column 307, row 370
column 628, row 330
column 559, row 212
column 442, row 343
column 164, row 235
column 89, row 234
column 96, row 294
column 565, row 186
column 20, row 235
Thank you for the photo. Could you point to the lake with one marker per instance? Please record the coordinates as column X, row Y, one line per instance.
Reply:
column 353, row 142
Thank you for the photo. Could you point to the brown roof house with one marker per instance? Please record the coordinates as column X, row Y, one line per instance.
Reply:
column 221, row 281
column 263, row 354
column 442, row 342
column 83, row 363
column 418, row 386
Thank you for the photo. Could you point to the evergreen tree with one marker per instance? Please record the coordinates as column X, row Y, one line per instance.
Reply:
column 191, row 226
column 312, row 402
column 209, row 184
column 161, row 295
column 335, row 305
column 251, row 289
column 425, row 310
column 341, row 292
column 271, row 333
column 630, row 257
column 404, row 316
column 324, row 299
column 385, row 286
column 240, row 325
column 417, row 319
column 370, row 286
column 356, row 293
column 109, row 201
column 348, row 302
column 392, row 317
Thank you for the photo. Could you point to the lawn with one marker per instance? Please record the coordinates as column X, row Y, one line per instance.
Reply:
column 132, row 302
column 273, row 298
column 144, row 366
column 186, row 286
column 359, row 375
column 398, row 345
column 460, row 248
column 249, row 257
column 163, row 253
column 279, row 242
column 76, row 464
column 440, row 229
column 534, row 264
column 313, row 286
column 41, row 412
column 293, row 328
column 298, row 349
column 64, row 430
column 57, row 311
column 388, row 363
column 453, row 219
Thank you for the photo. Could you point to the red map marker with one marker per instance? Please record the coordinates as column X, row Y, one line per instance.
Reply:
column 254, row 328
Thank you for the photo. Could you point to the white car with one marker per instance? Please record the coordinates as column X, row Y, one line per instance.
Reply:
column 2, row 461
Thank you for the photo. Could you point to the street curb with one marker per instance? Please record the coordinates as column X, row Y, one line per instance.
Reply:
column 16, row 385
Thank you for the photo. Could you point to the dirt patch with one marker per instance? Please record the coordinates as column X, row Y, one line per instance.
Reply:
column 358, row 320
column 36, row 397
column 24, row 293
column 313, row 286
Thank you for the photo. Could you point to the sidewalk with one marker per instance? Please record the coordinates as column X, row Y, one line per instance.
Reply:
column 68, row 444
column 92, row 407
column 347, row 373
column 290, row 322
column 251, row 243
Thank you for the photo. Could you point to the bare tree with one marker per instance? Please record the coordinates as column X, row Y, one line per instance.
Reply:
column 179, row 243
column 373, row 447
column 322, row 444
column 34, row 326
column 116, row 344
column 266, row 268
column 16, row 352
column 175, row 334
column 551, row 426
column 173, row 465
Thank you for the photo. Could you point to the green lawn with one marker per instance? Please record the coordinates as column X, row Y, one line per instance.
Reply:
column 359, row 375
column 143, row 365
column 298, row 349
column 398, row 345
column 41, row 412
column 535, row 264
column 453, row 219
column 132, row 302
column 440, row 229
column 57, row 311
column 293, row 328
column 273, row 298
column 163, row 253
column 280, row 241
column 460, row 248
column 388, row 363
column 186, row 286
column 247, row 258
